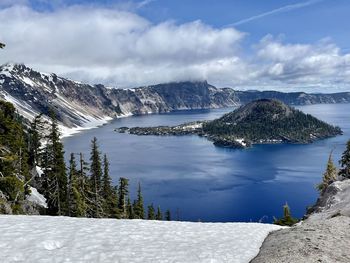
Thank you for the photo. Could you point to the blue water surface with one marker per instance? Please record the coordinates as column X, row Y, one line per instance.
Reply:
column 198, row 181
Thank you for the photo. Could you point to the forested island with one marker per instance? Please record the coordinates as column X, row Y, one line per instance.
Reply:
column 264, row 121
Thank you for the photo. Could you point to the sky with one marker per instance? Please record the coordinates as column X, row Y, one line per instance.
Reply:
column 287, row 45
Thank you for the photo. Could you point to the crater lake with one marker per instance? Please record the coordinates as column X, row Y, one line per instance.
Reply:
column 197, row 181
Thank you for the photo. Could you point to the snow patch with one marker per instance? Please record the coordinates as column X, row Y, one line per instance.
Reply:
column 90, row 124
column 241, row 141
column 36, row 197
column 64, row 239
column 39, row 171
column 28, row 81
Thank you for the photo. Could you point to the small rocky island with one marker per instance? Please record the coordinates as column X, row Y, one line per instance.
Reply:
column 265, row 121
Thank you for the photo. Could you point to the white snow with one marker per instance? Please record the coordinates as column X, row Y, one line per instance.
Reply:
column 90, row 124
column 39, row 171
column 36, row 197
column 28, row 81
column 241, row 141
column 63, row 239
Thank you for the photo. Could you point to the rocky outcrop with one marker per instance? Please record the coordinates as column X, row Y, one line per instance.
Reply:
column 324, row 236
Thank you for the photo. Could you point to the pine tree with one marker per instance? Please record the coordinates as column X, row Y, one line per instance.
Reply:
column 55, row 172
column 329, row 176
column 36, row 135
column 96, row 179
column 167, row 215
column 151, row 213
column 122, row 199
column 76, row 202
column 345, row 162
column 109, row 194
column 130, row 210
column 138, row 205
column 287, row 219
column 159, row 215
column 83, row 186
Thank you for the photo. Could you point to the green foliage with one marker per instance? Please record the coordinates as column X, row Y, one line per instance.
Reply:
column 12, row 187
column 109, row 193
column 167, row 215
column 13, row 143
column 159, row 215
column 96, row 179
column 130, row 210
column 76, row 200
column 151, row 213
column 55, row 185
column 36, row 135
column 138, row 205
column 68, row 192
column 123, row 192
column 345, row 162
column 329, row 176
column 287, row 219
column 265, row 120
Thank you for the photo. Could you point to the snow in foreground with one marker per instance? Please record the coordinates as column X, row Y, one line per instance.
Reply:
column 63, row 239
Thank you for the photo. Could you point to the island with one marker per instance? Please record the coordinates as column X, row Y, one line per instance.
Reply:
column 264, row 121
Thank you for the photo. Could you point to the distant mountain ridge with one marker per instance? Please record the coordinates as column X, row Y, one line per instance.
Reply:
column 82, row 106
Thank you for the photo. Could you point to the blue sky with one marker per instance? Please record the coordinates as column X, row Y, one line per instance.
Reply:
column 320, row 19
column 284, row 44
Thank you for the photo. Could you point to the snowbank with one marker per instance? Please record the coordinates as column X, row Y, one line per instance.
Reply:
column 36, row 197
column 62, row 239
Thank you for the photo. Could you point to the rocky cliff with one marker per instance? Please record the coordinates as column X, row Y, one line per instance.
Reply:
column 324, row 236
column 82, row 106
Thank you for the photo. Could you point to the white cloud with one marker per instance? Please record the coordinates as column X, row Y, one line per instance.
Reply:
column 117, row 46
column 121, row 48
column 306, row 64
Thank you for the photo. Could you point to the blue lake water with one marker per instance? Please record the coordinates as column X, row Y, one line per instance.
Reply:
column 198, row 181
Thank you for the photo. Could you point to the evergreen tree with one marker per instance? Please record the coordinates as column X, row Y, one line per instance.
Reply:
column 13, row 144
column 138, row 205
column 151, row 213
column 55, row 187
column 345, row 162
column 130, row 210
column 76, row 202
column 109, row 193
column 159, row 215
column 167, row 215
column 83, row 186
column 36, row 135
column 123, row 195
column 329, row 176
column 287, row 219
column 96, row 179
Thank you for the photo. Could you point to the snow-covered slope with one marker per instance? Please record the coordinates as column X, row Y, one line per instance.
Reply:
column 81, row 106
column 61, row 239
column 78, row 106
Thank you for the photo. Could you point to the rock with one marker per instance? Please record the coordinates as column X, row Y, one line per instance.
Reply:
column 324, row 236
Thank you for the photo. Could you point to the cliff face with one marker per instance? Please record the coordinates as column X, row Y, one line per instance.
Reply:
column 82, row 105
column 172, row 96
column 294, row 98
